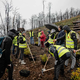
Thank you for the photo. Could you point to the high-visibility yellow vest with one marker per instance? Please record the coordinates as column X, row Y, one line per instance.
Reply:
column 23, row 45
column 39, row 34
column 61, row 50
column 51, row 40
column 30, row 34
column 69, row 41
column 20, row 33
column 15, row 41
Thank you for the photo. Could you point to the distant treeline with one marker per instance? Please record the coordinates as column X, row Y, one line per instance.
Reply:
column 41, row 19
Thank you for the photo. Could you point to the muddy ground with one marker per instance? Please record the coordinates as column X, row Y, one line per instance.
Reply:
column 35, row 68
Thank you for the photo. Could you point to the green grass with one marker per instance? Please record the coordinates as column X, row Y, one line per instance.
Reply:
column 68, row 21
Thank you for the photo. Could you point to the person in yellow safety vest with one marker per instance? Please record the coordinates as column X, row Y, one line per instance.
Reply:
column 31, row 36
column 61, row 54
column 22, row 46
column 17, row 43
column 39, row 34
column 13, row 42
column 71, row 44
column 52, row 36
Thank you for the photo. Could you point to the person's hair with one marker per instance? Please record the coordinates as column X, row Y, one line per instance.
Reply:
column 60, row 27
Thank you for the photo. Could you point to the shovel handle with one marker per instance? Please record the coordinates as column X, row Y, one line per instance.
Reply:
column 77, row 50
column 46, row 61
column 49, row 69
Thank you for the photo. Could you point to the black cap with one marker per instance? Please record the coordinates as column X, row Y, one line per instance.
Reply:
column 14, row 31
column 67, row 28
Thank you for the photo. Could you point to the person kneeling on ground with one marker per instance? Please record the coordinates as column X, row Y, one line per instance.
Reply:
column 61, row 54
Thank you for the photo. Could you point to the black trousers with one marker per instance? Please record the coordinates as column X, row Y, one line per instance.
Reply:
column 10, row 71
column 59, row 67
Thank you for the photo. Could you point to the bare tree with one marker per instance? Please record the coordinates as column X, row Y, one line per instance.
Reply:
column 31, row 21
column 60, row 16
column 14, row 18
column 57, row 17
column 23, row 23
column 8, row 8
column 18, row 18
column 49, row 12
column 3, row 26
column 71, row 12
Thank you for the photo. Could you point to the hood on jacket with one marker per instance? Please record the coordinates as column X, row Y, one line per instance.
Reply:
column 67, row 28
column 12, row 33
column 42, row 32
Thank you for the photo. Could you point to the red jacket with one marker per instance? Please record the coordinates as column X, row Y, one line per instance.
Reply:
column 43, row 36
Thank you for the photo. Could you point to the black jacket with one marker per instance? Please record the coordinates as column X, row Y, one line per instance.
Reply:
column 5, row 59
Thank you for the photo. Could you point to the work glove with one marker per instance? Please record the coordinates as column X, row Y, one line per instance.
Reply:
column 56, row 62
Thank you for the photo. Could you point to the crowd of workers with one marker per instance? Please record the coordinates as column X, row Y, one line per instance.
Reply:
column 62, row 46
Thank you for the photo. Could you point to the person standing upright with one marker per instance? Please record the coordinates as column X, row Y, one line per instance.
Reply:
column 22, row 46
column 39, row 34
column 48, row 33
column 60, row 34
column 42, row 39
column 71, row 44
column 31, row 36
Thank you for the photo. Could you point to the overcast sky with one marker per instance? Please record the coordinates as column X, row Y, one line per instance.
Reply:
column 27, row 8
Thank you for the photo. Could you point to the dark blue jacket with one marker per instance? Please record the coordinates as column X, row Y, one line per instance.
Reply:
column 62, row 41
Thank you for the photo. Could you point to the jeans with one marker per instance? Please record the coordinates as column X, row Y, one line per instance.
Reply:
column 13, row 49
column 73, row 58
column 22, row 53
column 31, row 40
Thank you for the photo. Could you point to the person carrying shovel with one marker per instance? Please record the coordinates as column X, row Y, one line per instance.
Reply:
column 61, row 54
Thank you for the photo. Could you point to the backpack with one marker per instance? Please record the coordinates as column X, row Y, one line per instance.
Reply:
column 24, row 73
column 1, row 46
column 21, row 39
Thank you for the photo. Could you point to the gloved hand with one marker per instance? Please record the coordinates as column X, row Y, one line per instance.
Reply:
column 56, row 62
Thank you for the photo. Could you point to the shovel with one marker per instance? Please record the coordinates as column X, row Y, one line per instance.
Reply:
column 45, row 64
column 44, row 70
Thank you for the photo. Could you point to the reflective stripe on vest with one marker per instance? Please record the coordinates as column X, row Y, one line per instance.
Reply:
column 39, row 34
column 15, row 41
column 30, row 34
column 51, row 40
column 69, row 41
column 61, row 50
column 23, row 45
column 51, row 52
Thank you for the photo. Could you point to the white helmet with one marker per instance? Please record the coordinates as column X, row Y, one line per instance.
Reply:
column 53, row 30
